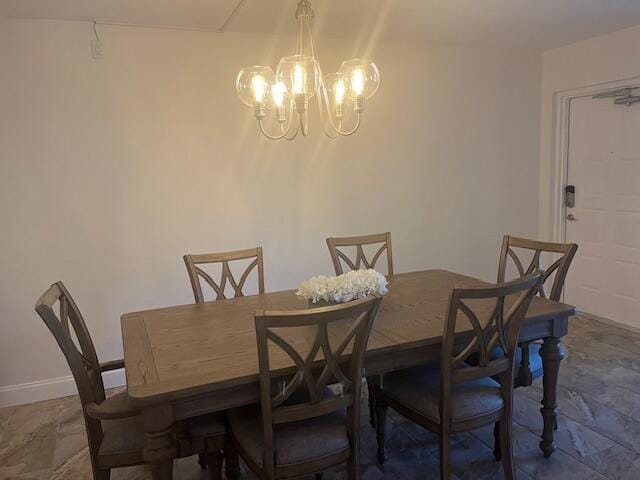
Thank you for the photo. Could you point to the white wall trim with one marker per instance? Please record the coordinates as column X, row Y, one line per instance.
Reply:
column 52, row 388
column 560, row 147
column 606, row 321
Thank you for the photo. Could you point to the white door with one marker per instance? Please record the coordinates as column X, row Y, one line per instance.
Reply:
column 604, row 166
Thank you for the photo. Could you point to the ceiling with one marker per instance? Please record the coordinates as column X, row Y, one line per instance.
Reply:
column 531, row 24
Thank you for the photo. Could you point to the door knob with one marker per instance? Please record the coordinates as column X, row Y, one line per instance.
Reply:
column 571, row 217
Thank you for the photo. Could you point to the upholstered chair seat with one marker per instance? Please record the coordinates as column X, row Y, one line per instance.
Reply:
column 122, row 442
column 418, row 388
column 294, row 442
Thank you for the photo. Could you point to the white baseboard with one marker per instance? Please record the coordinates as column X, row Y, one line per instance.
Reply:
column 613, row 323
column 53, row 388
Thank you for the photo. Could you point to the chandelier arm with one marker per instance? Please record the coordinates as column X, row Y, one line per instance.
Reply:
column 337, row 129
column 312, row 41
column 325, row 110
column 270, row 137
column 330, row 132
column 323, row 98
column 353, row 130
column 295, row 134
column 299, row 37
column 289, row 119
column 283, row 131
column 304, row 123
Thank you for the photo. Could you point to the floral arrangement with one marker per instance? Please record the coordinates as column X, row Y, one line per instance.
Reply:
column 343, row 288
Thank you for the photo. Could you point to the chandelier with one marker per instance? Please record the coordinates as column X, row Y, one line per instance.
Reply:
column 282, row 98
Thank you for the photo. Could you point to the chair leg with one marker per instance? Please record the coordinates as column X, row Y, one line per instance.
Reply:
column 445, row 452
column 496, row 441
column 372, row 402
column 506, row 448
column 202, row 461
column 373, row 387
column 381, row 422
column 524, row 376
column 232, row 461
column 353, row 468
column 318, row 476
column 102, row 474
column 214, row 462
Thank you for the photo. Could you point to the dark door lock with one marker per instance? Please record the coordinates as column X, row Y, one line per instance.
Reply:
column 570, row 196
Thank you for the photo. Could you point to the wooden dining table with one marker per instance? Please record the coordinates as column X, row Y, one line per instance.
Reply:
column 191, row 360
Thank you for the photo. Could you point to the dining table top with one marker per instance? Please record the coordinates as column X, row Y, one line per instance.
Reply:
column 181, row 350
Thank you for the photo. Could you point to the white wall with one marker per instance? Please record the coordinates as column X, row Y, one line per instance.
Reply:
column 598, row 60
column 111, row 170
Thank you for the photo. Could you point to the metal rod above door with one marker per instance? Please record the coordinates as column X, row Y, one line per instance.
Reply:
column 621, row 96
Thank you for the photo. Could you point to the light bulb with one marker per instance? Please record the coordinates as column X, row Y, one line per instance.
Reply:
column 357, row 81
column 300, row 74
column 298, row 79
column 278, row 92
column 340, row 90
column 259, row 87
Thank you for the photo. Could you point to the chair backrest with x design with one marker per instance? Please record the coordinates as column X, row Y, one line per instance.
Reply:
column 70, row 331
column 326, row 346
column 196, row 272
column 496, row 314
column 338, row 256
column 563, row 253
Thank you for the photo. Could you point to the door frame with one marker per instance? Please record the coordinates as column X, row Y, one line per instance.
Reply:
column 559, row 168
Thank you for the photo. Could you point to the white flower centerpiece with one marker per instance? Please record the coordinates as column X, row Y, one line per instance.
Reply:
column 343, row 288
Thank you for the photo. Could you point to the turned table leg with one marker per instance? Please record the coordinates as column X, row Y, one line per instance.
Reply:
column 160, row 446
column 552, row 354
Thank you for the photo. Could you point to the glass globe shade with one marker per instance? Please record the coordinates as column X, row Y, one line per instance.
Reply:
column 300, row 74
column 253, row 85
column 362, row 76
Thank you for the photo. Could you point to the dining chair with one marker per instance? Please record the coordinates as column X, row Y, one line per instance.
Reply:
column 302, row 426
column 113, row 423
column 338, row 256
column 561, row 255
column 197, row 273
column 452, row 396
